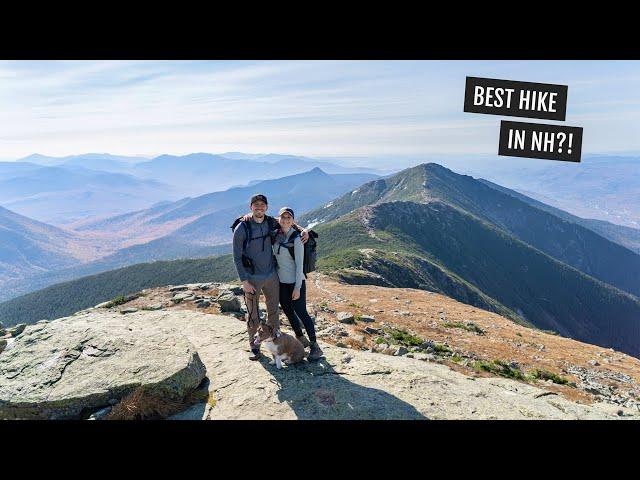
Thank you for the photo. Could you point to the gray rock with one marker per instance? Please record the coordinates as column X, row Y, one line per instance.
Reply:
column 204, row 304
column 103, row 304
column 194, row 412
column 179, row 288
column 128, row 310
column 229, row 287
column 155, row 306
column 3, row 344
column 42, row 321
column 595, row 363
column 228, row 302
column 17, row 330
column 179, row 297
column 371, row 330
column 401, row 351
column 423, row 356
column 345, row 317
column 205, row 286
column 100, row 414
column 79, row 363
column 367, row 318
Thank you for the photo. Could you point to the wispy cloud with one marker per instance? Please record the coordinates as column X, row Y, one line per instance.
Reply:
column 306, row 107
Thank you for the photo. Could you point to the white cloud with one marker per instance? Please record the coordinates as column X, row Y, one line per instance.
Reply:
column 310, row 107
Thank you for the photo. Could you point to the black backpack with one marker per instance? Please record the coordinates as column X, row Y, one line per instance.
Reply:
column 273, row 231
column 273, row 227
column 310, row 253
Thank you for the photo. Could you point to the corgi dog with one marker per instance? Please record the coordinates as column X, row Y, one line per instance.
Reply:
column 284, row 347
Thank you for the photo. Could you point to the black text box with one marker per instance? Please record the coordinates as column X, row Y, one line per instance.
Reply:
column 539, row 140
column 545, row 101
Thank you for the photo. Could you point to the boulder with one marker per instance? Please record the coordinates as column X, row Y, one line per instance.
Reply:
column 179, row 288
column 367, row 318
column 155, row 306
column 345, row 317
column 100, row 414
column 228, row 302
column 204, row 304
column 401, row 351
column 179, row 297
column 229, row 287
column 73, row 366
column 17, row 330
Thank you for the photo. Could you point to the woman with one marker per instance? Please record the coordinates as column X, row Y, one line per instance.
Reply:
column 292, row 283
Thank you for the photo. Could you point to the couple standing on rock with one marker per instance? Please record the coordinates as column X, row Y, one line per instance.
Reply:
column 264, row 266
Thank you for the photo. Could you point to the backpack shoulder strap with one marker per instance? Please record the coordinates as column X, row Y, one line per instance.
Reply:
column 247, row 234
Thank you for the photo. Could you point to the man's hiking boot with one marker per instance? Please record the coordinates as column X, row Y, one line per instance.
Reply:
column 315, row 353
column 255, row 354
column 303, row 340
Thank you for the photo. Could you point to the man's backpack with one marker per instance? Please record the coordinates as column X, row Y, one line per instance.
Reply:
column 310, row 253
column 273, row 227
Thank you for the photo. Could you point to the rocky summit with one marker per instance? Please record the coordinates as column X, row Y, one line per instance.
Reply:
column 115, row 361
column 71, row 367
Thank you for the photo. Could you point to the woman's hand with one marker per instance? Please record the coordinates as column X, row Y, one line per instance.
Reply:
column 247, row 217
column 296, row 294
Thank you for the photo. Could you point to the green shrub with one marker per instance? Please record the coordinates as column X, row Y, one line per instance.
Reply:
column 403, row 337
column 441, row 348
column 498, row 367
column 469, row 326
column 119, row 300
column 541, row 374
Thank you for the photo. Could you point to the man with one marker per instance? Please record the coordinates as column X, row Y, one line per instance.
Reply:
column 254, row 261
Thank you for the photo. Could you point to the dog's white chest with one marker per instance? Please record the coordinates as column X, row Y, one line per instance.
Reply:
column 271, row 347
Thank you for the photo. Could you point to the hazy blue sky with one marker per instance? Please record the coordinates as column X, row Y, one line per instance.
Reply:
column 314, row 108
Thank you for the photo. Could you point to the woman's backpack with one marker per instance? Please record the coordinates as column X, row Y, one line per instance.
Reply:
column 310, row 253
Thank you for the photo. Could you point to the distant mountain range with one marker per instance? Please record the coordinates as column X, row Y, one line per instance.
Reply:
column 64, row 194
column 600, row 187
column 29, row 247
column 205, row 220
column 199, row 173
column 188, row 228
column 428, row 227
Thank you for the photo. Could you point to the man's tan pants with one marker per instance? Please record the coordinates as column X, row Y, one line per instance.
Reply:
column 271, row 289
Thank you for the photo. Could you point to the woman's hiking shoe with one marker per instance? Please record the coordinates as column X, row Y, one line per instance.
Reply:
column 255, row 354
column 303, row 340
column 315, row 353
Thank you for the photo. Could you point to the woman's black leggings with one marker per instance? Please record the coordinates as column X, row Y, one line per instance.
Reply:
column 296, row 310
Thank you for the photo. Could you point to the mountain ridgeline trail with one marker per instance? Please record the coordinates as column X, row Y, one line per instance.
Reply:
column 430, row 228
